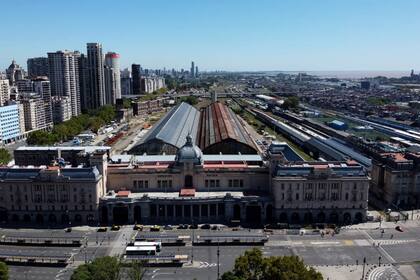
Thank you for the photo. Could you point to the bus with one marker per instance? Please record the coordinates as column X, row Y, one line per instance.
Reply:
column 140, row 250
column 157, row 244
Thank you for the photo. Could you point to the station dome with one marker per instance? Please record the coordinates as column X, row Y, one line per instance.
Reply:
column 189, row 153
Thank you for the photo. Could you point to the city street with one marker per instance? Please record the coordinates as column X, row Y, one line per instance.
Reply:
column 396, row 252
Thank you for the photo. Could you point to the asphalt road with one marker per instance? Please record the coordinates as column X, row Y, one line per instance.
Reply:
column 349, row 247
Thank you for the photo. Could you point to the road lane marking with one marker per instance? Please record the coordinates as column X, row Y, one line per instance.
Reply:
column 348, row 242
column 382, row 250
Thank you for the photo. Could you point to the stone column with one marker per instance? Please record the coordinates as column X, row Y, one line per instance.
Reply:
column 228, row 211
column 145, row 212
column 131, row 213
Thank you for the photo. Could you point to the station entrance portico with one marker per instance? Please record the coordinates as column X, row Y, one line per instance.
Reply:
column 120, row 214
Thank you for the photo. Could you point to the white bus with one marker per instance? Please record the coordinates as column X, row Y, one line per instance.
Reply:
column 157, row 244
column 141, row 250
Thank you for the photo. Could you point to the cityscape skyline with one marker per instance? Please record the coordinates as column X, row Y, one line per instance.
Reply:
column 263, row 36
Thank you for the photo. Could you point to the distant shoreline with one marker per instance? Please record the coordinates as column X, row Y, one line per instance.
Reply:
column 355, row 74
column 351, row 75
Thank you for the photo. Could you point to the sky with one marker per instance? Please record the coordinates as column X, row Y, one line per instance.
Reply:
column 232, row 35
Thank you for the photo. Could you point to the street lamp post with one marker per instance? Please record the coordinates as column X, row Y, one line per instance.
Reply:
column 379, row 260
column 364, row 263
column 192, row 243
column 86, row 246
column 218, row 262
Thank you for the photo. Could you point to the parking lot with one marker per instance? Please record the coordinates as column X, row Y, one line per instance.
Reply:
column 35, row 253
column 347, row 248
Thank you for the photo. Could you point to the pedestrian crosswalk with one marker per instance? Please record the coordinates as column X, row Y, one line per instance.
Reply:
column 384, row 273
column 394, row 241
column 382, row 242
column 344, row 242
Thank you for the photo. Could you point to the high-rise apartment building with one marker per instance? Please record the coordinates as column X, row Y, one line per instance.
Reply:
column 4, row 91
column 37, row 66
column 42, row 88
column 61, row 108
column 34, row 112
column 64, row 77
column 9, row 123
column 96, row 81
column 84, row 83
column 112, row 78
column 192, row 69
column 152, row 83
column 136, row 77
column 126, row 86
column 24, row 85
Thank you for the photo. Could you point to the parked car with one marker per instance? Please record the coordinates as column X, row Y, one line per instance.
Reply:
column 193, row 227
column 167, row 227
column 102, row 229
column 205, row 226
column 138, row 227
column 182, row 227
column 115, row 228
column 155, row 228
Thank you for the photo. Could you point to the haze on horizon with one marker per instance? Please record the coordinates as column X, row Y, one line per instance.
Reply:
column 328, row 35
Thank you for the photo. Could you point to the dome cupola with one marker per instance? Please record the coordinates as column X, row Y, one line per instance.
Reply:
column 189, row 153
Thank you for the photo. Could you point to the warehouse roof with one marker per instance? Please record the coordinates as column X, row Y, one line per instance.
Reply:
column 171, row 158
column 219, row 123
column 173, row 128
column 337, row 122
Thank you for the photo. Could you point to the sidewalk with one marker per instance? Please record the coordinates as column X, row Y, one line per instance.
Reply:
column 384, row 225
column 344, row 272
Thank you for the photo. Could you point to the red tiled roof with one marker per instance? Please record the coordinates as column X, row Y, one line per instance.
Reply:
column 395, row 156
column 187, row 192
column 123, row 193
column 53, row 167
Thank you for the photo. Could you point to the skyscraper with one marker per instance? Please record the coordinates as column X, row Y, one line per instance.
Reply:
column 64, row 77
column 95, row 71
column 192, row 69
column 126, row 87
column 196, row 71
column 4, row 91
column 83, row 83
column 37, row 66
column 136, row 76
column 112, row 78
column 42, row 87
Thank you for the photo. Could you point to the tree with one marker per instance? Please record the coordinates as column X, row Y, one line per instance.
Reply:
column 127, row 103
column 291, row 102
column 192, row 100
column 136, row 271
column 108, row 268
column 105, row 268
column 95, row 123
column 5, row 156
column 4, row 271
column 253, row 266
column 41, row 138
column 93, row 120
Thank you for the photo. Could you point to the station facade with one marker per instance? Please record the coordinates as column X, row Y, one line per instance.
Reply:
column 195, row 188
